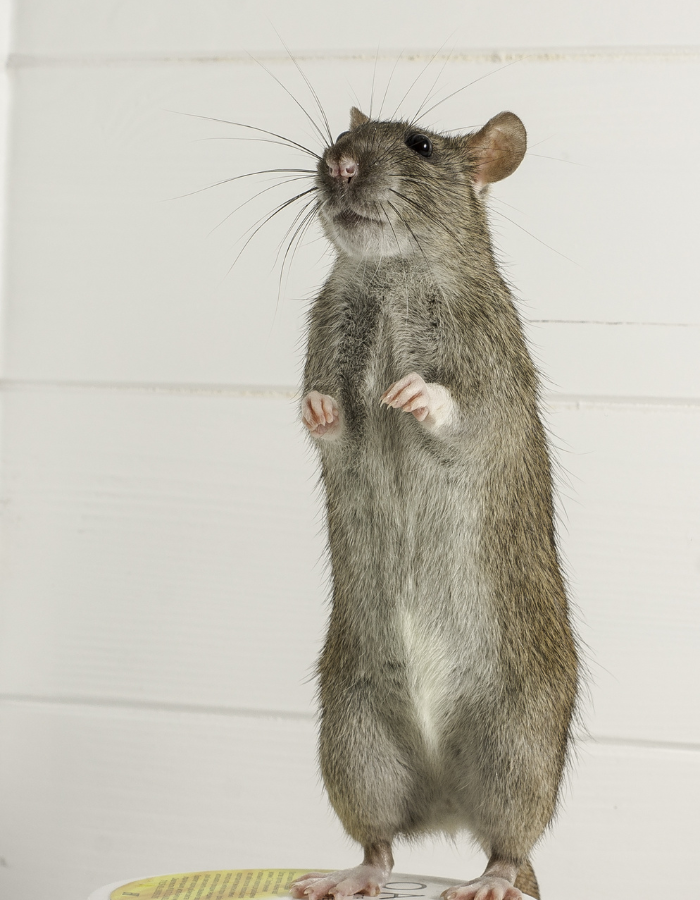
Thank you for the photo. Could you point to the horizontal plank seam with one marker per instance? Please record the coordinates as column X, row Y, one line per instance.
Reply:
column 643, row 743
column 273, row 392
column 243, row 712
column 591, row 401
column 489, row 55
column 552, row 399
column 157, row 706
column 612, row 322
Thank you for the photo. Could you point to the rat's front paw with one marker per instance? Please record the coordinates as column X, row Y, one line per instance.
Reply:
column 321, row 414
column 429, row 403
column 488, row 887
column 411, row 394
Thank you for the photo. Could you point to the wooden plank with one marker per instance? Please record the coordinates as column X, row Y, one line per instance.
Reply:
column 621, row 818
column 630, row 533
column 160, row 548
column 165, row 549
column 92, row 796
column 107, row 26
column 109, row 282
column 605, row 360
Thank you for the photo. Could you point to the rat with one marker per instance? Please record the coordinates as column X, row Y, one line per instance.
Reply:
column 449, row 675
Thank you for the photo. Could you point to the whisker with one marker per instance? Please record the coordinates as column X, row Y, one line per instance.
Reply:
column 509, row 205
column 389, row 223
column 458, row 131
column 543, row 141
column 255, row 196
column 374, row 75
column 429, row 95
column 295, row 243
column 386, row 90
column 302, row 212
column 444, row 189
column 417, row 242
column 303, row 219
column 420, row 74
column 309, row 85
column 287, row 140
column 556, row 158
column 264, row 221
column 306, row 223
column 290, row 94
column 233, row 138
column 464, row 87
column 504, row 216
column 358, row 102
column 452, row 191
column 279, row 285
column 303, row 173
column 426, row 212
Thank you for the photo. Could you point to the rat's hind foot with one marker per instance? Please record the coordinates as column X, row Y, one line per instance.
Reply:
column 488, row 887
column 365, row 879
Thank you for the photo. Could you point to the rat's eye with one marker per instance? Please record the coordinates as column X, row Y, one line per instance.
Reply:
column 341, row 135
column 420, row 144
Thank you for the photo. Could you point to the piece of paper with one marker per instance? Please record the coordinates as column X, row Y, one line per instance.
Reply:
column 259, row 884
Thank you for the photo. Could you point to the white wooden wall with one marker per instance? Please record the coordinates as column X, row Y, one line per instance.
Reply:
column 163, row 598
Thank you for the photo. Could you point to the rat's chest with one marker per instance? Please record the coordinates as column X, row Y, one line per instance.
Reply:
column 379, row 340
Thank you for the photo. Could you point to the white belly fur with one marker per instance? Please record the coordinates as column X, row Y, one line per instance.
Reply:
column 428, row 668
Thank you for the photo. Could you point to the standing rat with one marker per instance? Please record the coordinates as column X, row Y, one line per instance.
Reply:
column 449, row 674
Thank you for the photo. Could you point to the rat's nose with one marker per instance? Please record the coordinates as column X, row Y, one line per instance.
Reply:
column 344, row 169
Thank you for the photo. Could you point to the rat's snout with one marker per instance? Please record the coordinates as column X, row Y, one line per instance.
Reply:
column 344, row 169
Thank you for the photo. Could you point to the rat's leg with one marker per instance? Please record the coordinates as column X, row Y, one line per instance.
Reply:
column 321, row 415
column 430, row 403
column 369, row 783
column 512, row 798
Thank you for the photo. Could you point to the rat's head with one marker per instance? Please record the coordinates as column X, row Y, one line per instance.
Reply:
column 393, row 189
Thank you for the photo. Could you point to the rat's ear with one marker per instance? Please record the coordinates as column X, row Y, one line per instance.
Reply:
column 497, row 149
column 357, row 118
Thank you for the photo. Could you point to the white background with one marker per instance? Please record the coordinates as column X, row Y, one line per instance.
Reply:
column 163, row 590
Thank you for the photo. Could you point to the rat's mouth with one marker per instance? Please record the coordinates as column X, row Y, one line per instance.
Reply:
column 348, row 218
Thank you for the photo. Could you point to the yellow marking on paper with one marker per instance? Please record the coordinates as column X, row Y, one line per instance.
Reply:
column 220, row 884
